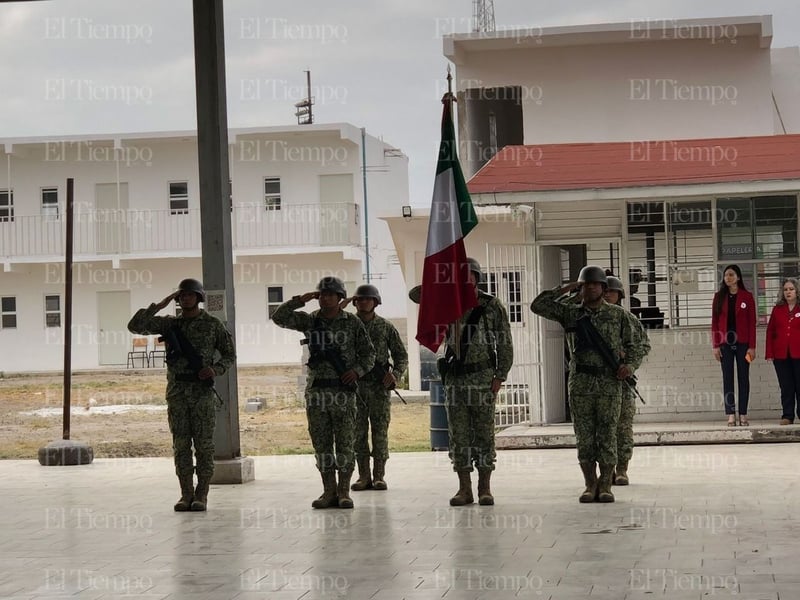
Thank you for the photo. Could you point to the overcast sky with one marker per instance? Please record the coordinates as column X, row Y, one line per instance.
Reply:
column 107, row 66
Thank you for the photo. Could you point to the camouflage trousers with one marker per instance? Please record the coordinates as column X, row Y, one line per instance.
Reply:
column 373, row 411
column 595, row 404
column 470, row 422
column 192, row 416
column 331, row 414
column 625, row 426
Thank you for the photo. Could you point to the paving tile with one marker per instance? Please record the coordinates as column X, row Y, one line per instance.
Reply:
column 689, row 527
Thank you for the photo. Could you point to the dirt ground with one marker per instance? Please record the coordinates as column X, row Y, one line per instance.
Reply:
column 102, row 416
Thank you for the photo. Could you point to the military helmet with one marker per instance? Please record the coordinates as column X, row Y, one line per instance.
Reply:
column 415, row 293
column 192, row 285
column 592, row 274
column 475, row 267
column 368, row 291
column 615, row 284
column 332, row 284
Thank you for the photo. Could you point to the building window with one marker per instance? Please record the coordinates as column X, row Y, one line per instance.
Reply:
column 676, row 264
column 274, row 299
column 272, row 193
column 50, row 203
column 6, row 206
column 52, row 311
column 507, row 286
column 178, row 198
column 8, row 312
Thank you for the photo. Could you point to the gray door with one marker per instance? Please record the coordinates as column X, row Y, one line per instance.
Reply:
column 111, row 209
column 113, row 338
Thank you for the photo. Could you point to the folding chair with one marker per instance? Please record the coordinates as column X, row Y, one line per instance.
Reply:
column 138, row 350
column 159, row 350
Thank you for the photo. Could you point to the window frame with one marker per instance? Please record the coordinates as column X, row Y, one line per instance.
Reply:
column 762, row 274
column 272, row 200
column 50, row 210
column 49, row 313
column 178, row 198
column 7, row 205
column 272, row 306
column 10, row 314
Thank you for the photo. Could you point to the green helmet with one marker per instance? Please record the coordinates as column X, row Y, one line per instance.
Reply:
column 592, row 274
column 475, row 267
column 615, row 284
column 332, row 284
column 368, row 291
column 192, row 285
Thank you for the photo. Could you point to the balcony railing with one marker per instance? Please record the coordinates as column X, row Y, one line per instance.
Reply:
column 146, row 232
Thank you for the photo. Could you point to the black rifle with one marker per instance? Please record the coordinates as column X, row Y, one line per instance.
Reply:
column 588, row 333
column 380, row 372
column 179, row 346
column 321, row 348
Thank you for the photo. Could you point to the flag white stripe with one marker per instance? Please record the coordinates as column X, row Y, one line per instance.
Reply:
column 445, row 222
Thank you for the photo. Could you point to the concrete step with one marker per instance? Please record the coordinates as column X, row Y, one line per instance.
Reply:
column 561, row 435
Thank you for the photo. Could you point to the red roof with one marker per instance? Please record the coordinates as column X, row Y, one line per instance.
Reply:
column 637, row 164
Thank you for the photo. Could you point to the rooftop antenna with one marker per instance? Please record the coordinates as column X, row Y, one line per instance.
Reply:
column 303, row 112
column 482, row 16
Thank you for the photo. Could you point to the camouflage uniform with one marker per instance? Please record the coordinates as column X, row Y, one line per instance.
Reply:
column 470, row 403
column 190, row 403
column 330, row 406
column 595, row 394
column 374, row 404
column 628, row 409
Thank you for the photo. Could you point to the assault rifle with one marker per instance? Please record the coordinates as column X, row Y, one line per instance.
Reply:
column 588, row 333
column 380, row 372
column 321, row 348
column 179, row 346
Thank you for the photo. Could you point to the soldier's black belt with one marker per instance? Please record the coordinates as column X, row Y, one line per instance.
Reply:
column 596, row 371
column 186, row 378
column 469, row 368
column 326, row 383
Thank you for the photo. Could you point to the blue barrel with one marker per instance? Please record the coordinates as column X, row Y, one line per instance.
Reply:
column 440, row 440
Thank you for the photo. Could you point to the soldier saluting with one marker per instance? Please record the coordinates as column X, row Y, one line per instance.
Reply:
column 595, row 389
column 340, row 354
column 374, row 408
column 199, row 348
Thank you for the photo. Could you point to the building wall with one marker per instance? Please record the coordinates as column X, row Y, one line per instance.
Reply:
column 681, row 377
column 147, row 166
column 622, row 92
column 32, row 346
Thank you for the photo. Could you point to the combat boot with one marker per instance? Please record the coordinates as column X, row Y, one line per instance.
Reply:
column 328, row 499
column 590, row 479
column 344, row 489
column 621, row 474
column 378, row 474
column 464, row 494
column 187, row 493
column 604, row 484
column 485, row 497
column 201, row 494
column 364, row 481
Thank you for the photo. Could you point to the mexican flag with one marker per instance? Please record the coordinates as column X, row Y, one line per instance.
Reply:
column 446, row 291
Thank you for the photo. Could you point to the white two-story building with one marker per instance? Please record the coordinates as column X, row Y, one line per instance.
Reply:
column 663, row 150
column 298, row 209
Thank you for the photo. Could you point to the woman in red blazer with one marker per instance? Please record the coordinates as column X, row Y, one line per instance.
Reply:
column 733, row 337
column 783, row 348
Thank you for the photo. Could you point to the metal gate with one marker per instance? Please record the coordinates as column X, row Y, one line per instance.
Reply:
column 510, row 276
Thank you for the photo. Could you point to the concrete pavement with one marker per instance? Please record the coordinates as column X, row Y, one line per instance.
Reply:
column 698, row 522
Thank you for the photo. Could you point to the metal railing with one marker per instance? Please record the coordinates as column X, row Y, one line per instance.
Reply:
column 143, row 232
